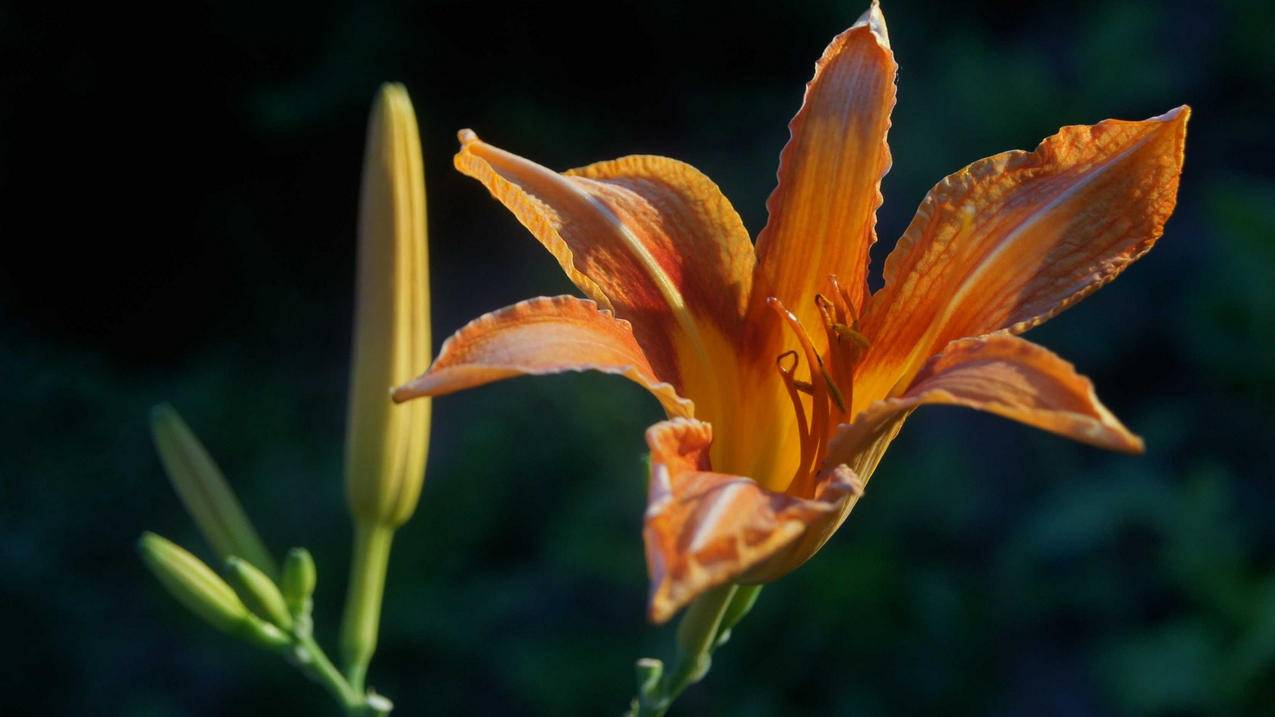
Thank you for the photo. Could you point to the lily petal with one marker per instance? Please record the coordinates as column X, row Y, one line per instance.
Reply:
column 648, row 237
column 1002, row 374
column 823, row 211
column 1012, row 240
column 537, row 337
column 704, row 529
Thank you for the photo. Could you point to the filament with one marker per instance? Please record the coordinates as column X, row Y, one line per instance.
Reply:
column 828, row 374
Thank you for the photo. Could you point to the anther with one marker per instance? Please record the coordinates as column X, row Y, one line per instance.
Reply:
column 847, row 312
column 840, row 364
column 834, row 393
column 845, row 332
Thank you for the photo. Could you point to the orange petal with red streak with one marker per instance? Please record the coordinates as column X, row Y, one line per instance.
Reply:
column 1000, row 374
column 537, row 337
column 648, row 237
column 823, row 212
column 1012, row 240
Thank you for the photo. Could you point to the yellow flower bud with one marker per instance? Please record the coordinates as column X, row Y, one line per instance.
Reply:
column 386, row 444
column 201, row 591
column 204, row 491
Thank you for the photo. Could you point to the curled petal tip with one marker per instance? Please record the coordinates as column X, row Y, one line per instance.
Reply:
column 874, row 20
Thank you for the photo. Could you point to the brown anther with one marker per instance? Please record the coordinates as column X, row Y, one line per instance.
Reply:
column 847, row 312
column 845, row 332
column 838, row 364
column 834, row 393
column 826, row 307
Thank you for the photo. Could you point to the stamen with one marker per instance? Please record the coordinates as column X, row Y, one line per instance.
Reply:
column 839, row 300
column 803, row 428
column 812, row 449
column 846, row 332
column 828, row 373
column 834, row 393
column 842, row 363
column 847, row 312
column 846, row 345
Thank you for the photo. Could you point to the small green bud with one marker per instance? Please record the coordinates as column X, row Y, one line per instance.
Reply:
column 299, row 577
column 201, row 591
column 258, row 592
column 204, row 491
column 194, row 584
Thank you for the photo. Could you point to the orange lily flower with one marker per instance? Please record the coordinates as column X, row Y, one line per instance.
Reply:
column 784, row 378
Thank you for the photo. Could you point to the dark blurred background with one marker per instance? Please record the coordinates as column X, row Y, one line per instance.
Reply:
column 179, row 194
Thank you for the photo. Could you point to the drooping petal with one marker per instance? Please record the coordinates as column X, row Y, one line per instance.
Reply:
column 1011, row 240
column 1002, row 374
column 650, row 238
column 537, row 337
column 704, row 529
column 823, row 211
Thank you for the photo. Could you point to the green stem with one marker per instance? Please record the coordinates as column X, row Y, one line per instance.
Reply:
column 697, row 635
column 363, row 601
column 311, row 660
column 740, row 605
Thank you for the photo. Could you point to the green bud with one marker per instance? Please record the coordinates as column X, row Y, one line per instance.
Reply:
column 204, row 492
column 201, row 591
column 194, row 584
column 299, row 577
column 258, row 592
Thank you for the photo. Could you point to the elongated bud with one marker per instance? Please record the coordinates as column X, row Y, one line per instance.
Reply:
column 201, row 591
column 204, row 492
column 258, row 592
column 299, row 578
column 386, row 443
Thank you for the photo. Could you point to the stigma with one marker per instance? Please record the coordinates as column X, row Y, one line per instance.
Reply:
column 830, row 381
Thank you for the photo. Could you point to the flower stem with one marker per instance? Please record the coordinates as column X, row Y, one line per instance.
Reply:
column 308, row 657
column 312, row 661
column 363, row 601
column 697, row 635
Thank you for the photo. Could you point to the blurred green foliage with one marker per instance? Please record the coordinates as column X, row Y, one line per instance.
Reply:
column 990, row 570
